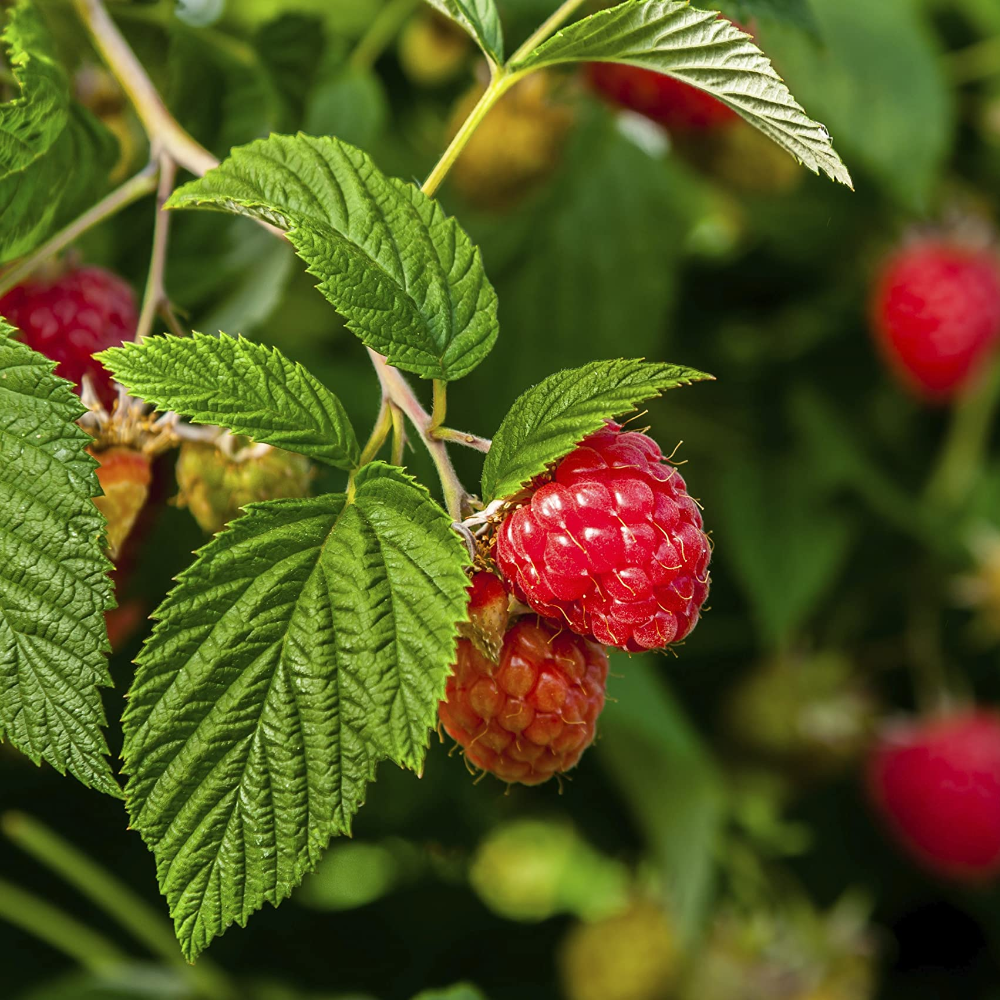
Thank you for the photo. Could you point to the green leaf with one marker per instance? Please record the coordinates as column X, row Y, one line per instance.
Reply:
column 37, row 201
column 551, row 418
column 460, row 991
column 877, row 64
column 670, row 782
column 696, row 47
column 307, row 642
column 349, row 103
column 246, row 387
column 54, row 587
column 480, row 19
column 32, row 121
column 220, row 89
column 780, row 528
column 404, row 275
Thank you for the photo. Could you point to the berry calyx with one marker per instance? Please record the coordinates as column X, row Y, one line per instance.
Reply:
column 671, row 103
column 73, row 316
column 937, row 784
column 613, row 546
column 124, row 475
column 533, row 713
column 935, row 315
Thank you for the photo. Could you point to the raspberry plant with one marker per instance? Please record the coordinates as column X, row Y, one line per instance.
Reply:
column 314, row 637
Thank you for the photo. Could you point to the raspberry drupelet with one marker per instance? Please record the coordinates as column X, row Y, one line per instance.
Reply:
column 612, row 547
column 533, row 713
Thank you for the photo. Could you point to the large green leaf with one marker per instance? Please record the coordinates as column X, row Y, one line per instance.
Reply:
column 241, row 385
column 480, row 19
column 307, row 642
column 404, row 275
column 669, row 36
column 32, row 121
column 552, row 417
column 54, row 587
column 38, row 200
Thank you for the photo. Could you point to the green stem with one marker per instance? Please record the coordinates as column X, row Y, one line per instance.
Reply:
column 462, row 437
column 968, row 439
column 380, row 33
column 155, row 294
column 159, row 123
column 549, row 26
column 383, row 425
column 112, row 896
column 398, row 390
column 398, row 434
column 142, row 184
column 64, row 933
column 498, row 86
column 439, row 408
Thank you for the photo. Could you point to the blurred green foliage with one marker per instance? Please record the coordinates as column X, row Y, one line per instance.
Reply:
column 811, row 464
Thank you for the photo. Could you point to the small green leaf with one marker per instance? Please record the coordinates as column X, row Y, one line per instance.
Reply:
column 696, row 47
column 37, row 201
column 32, row 121
column 241, row 385
column 404, row 275
column 480, row 19
column 460, row 991
column 552, row 417
column 308, row 641
column 54, row 587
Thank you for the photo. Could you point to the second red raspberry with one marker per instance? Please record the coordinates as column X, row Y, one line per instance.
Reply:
column 613, row 546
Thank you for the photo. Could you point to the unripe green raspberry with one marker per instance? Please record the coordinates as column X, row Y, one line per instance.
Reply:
column 215, row 485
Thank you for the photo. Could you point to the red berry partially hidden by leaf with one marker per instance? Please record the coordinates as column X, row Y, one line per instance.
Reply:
column 72, row 317
column 676, row 105
column 936, row 315
column 532, row 714
column 124, row 474
column 937, row 782
column 613, row 547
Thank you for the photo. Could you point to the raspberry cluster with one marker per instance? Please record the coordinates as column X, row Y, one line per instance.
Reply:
column 610, row 545
column 613, row 547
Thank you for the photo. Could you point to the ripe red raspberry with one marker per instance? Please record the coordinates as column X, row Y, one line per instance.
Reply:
column 675, row 105
column 534, row 712
column 613, row 547
column 937, row 782
column 68, row 319
column 936, row 315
